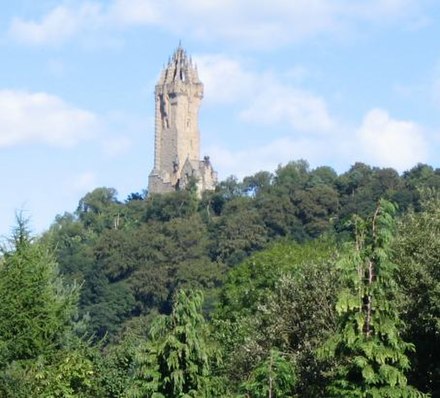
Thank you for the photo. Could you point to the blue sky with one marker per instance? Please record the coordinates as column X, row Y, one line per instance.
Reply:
column 329, row 81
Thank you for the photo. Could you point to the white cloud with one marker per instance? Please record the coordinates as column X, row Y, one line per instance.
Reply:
column 134, row 12
column 312, row 131
column 59, row 25
column 225, row 79
column 27, row 117
column 300, row 109
column 392, row 143
column 264, row 97
column 252, row 23
column 267, row 157
column 379, row 141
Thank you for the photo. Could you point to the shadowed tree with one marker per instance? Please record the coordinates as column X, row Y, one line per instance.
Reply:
column 176, row 361
column 369, row 350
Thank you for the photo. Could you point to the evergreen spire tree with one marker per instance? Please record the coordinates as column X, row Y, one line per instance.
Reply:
column 36, row 309
column 175, row 362
column 369, row 351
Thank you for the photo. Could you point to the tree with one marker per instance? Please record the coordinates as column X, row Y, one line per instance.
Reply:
column 258, row 183
column 281, row 299
column 317, row 206
column 323, row 175
column 291, row 177
column 417, row 249
column 299, row 315
column 176, row 362
column 166, row 206
column 36, row 309
column 369, row 350
column 99, row 209
column 274, row 377
column 280, row 217
column 239, row 232
column 40, row 355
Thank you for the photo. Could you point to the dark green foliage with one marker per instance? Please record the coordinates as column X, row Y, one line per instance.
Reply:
column 274, row 377
column 147, row 247
column 164, row 207
column 130, row 258
column 417, row 249
column 36, row 309
column 106, row 305
column 422, row 176
column 240, row 231
column 317, row 208
column 266, row 305
column 99, row 209
column 279, row 215
column 370, row 351
column 258, row 184
column 230, row 188
column 291, row 177
column 322, row 175
column 40, row 354
column 176, row 361
column 72, row 244
column 115, row 367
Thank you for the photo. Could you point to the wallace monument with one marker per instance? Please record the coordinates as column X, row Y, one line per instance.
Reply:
column 177, row 137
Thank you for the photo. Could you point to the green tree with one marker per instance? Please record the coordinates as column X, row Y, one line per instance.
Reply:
column 239, row 232
column 72, row 245
column 369, row 350
column 317, row 207
column 417, row 249
column 274, row 377
column 279, row 299
column 100, row 209
column 291, row 177
column 258, row 183
column 279, row 216
column 176, row 362
column 36, row 309
column 164, row 207
column 322, row 175
column 40, row 355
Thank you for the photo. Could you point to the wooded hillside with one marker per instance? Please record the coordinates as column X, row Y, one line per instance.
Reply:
column 300, row 283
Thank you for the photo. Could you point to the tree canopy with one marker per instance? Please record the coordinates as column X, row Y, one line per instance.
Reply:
column 298, row 283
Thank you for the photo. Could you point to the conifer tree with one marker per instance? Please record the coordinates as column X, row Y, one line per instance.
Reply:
column 273, row 377
column 369, row 351
column 36, row 308
column 175, row 362
column 40, row 355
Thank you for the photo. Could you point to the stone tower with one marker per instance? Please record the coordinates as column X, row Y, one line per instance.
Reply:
column 177, row 138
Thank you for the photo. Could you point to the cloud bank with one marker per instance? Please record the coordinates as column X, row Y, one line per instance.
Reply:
column 312, row 131
column 27, row 117
column 392, row 143
column 264, row 97
column 252, row 23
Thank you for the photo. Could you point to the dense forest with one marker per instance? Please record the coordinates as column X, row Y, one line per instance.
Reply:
column 297, row 283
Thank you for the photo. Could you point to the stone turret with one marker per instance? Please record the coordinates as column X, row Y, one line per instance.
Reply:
column 177, row 138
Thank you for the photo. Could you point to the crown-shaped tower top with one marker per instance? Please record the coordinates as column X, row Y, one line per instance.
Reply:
column 180, row 68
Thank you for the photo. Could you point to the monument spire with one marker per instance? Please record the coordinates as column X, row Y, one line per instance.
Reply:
column 178, row 93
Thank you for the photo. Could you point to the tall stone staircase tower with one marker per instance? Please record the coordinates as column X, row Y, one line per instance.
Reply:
column 177, row 161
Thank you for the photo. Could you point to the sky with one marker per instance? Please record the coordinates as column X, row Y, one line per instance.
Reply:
column 329, row 81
